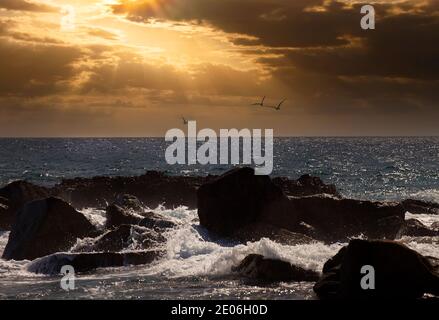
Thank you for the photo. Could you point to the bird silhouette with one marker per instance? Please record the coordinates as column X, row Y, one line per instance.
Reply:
column 277, row 108
column 185, row 122
column 259, row 103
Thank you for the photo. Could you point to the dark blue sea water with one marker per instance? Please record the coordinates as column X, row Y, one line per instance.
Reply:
column 194, row 266
column 372, row 168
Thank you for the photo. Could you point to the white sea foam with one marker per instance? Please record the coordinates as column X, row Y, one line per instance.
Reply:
column 426, row 195
column 97, row 217
column 4, row 235
column 427, row 219
column 191, row 252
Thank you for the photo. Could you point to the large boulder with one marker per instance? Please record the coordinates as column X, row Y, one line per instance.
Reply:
column 415, row 228
column 13, row 196
column 240, row 198
column 399, row 272
column 338, row 219
column 257, row 267
column 124, row 237
column 45, row 226
column 84, row 262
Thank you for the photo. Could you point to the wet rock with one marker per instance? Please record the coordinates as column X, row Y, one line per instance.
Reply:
column 156, row 188
column 83, row 262
column 257, row 231
column 399, row 272
column 128, row 209
column 306, row 185
column 129, row 202
column 14, row 196
column 240, row 198
column 257, row 267
column 45, row 226
column 5, row 216
column 124, row 237
column 420, row 207
column 156, row 221
column 117, row 216
column 338, row 219
column 152, row 189
column 415, row 228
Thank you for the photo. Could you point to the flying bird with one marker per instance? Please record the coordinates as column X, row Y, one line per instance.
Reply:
column 279, row 105
column 259, row 103
column 185, row 122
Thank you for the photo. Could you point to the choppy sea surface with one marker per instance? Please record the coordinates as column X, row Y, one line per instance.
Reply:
column 196, row 266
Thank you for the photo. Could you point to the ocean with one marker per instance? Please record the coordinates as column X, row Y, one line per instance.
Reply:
column 197, row 266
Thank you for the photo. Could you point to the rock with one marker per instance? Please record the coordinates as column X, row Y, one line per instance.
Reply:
column 419, row 206
column 257, row 267
column 124, row 237
column 5, row 216
column 435, row 226
column 152, row 189
column 415, row 228
column 128, row 209
column 338, row 219
column 257, row 231
column 306, row 185
column 14, row 196
column 400, row 273
column 83, row 262
column 43, row 227
column 240, row 198
column 129, row 202
column 156, row 221
column 156, row 188
column 117, row 216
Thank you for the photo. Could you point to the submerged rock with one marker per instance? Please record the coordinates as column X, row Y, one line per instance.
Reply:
column 83, row 262
column 419, row 206
column 43, row 227
column 13, row 196
column 124, row 237
column 415, row 228
column 399, row 272
column 257, row 267
column 257, row 231
column 239, row 198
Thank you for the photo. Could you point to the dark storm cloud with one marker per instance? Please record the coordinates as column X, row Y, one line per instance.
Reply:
column 33, row 70
column 322, row 55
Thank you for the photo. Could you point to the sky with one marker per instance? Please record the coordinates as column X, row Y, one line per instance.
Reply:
column 82, row 68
